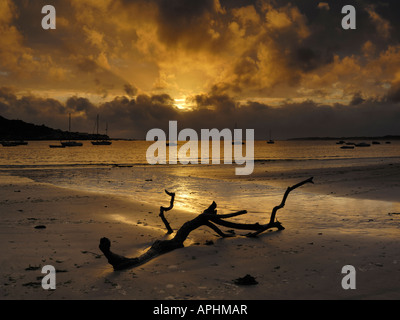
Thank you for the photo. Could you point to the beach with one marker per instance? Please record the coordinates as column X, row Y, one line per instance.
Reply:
column 304, row 261
column 111, row 111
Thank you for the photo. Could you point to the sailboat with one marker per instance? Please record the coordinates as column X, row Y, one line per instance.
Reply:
column 101, row 142
column 239, row 141
column 53, row 146
column 9, row 144
column 71, row 143
column 270, row 141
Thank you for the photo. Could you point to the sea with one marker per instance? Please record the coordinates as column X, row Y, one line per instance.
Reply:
column 122, row 169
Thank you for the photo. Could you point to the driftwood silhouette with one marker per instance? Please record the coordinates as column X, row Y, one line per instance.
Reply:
column 208, row 217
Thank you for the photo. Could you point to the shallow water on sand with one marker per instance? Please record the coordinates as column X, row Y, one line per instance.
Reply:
column 303, row 208
column 122, row 169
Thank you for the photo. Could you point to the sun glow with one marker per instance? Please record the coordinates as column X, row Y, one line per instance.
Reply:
column 181, row 104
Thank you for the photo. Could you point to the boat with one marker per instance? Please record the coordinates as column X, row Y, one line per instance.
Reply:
column 13, row 143
column 8, row 144
column 270, row 141
column 347, row 147
column 21, row 143
column 340, row 142
column 56, row 146
column 103, row 142
column 71, row 143
column 362, row 144
column 376, row 142
column 237, row 142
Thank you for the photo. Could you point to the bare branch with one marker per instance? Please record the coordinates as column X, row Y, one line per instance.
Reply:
column 165, row 209
column 288, row 190
column 208, row 217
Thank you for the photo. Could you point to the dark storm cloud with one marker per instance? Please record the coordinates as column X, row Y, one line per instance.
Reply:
column 87, row 65
column 301, row 36
column 306, row 119
column 31, row 108
column 29, row 16
column 133, row 118
column 78, row 104
column 130, row 90
column 327, row 37
column 247, row 50
column 326, row 24
column 357, row 99
column 96, row 41
column 221, row 102
column 185, row 22
column 308, row 59
column 394, row 93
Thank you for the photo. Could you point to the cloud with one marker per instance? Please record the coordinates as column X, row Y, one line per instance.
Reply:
column 14, row 56
column 183, row 47
column 185, row 22
column 323, row 6
column 134, row 117
column 130, row 90
column 131, row 58
column 32, row 108
column 357, row 99
column 382, row 25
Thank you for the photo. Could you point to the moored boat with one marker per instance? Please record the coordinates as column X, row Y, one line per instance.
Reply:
column 13, row 143
column 270, row 141
column 103, row 142
column 8, row 144
column 71, row 144
column 362, row 144
column 56, row 146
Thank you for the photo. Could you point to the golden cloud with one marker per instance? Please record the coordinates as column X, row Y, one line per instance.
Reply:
column 262, row 49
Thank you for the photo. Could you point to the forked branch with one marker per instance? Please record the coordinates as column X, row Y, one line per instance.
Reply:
column 208, row 217
column 165, row 209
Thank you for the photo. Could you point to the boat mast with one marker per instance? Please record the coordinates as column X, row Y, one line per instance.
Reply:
column 69, row 126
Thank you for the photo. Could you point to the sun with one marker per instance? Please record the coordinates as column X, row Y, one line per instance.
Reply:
column 181, row 104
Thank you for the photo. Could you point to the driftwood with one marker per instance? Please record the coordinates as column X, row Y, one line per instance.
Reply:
column 208, row 217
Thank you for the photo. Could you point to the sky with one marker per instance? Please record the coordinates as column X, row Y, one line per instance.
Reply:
column 282, row 66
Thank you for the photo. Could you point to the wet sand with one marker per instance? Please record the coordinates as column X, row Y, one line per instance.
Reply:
column 301, row 262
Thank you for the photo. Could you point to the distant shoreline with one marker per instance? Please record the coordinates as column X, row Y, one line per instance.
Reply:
column 72, row 139
column 388, row 137
column 384, row 138
column 18, row 130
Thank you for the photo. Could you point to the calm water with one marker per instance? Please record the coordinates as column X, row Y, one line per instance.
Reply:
column 38, row 153
column 122, row 169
